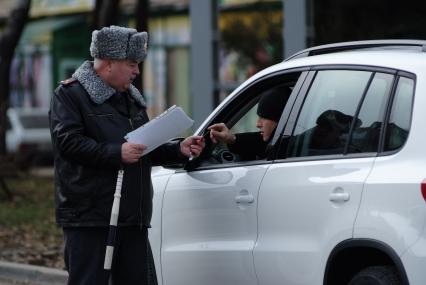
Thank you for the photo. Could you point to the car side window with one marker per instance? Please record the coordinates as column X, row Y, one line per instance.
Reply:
column 247, row 123
column 400, row 116
column 243, row 121
column 325, row 119
column 365, row 136
column 249, row 145
column 240, row 116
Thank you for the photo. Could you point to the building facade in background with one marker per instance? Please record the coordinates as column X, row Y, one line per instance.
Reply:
column 57, row 40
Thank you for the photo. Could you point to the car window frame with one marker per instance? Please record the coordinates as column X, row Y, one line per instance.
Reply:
column 234, row 107
column 398, row 75
column 288, row 129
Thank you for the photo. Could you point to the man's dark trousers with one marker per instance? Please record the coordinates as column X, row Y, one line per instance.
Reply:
column 84, row 255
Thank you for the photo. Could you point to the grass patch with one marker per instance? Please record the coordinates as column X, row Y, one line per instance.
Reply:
column 28, row 233
column 33, row 204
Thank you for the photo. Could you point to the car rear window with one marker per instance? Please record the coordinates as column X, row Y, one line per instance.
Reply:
column 366, row 135
column 400, row 116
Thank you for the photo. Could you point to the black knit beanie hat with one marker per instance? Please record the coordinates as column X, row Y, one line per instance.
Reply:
column 272, row 102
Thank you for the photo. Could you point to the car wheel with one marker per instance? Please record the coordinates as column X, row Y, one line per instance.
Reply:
column 376, row 275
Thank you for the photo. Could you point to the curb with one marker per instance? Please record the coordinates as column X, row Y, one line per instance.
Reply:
column 32, row 274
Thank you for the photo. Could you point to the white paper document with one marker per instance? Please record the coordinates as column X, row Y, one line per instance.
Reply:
column 166, row 126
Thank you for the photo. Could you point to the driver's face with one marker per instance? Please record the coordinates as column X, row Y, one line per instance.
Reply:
column 266, row 127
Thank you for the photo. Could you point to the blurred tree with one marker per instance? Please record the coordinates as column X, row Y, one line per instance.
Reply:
column 8, row 41
column 256, row 36
column 141, row 15
column 96, row 15
column 351, row 20
column 105, row 14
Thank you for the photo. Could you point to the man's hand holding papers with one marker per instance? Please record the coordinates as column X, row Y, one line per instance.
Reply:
column 158, row 131
column 131, row 152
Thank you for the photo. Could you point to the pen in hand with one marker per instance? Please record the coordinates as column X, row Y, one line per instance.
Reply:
column 195, row 147
column 191, row 156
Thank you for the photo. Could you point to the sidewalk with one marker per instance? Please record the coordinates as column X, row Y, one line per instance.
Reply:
column 31, row 274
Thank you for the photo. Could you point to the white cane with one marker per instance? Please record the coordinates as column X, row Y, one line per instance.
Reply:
column 113, row 221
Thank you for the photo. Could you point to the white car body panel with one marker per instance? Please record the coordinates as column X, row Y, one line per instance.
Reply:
column 298, row 224
column 414, row 260
column 393, row 209
column 203, row 226
column 201, row 236
column 160, row 177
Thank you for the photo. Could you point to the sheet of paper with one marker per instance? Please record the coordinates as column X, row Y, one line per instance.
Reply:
column 168, row 125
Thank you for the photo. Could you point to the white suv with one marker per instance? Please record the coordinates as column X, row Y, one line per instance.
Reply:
column 340, row 198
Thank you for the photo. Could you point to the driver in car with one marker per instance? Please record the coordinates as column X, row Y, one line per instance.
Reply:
column 254, row 145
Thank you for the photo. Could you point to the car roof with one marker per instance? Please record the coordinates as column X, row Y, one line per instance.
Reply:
column 395, row 54
column 411, row 61
column 361, row 45
column 406, row 55
column 408, row 60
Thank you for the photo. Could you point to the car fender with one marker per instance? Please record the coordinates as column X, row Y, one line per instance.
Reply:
column 160, row 177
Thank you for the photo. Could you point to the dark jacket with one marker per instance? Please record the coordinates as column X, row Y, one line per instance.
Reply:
column 249, row 146
column 88, row 122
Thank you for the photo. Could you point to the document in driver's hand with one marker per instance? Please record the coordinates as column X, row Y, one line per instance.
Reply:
column 166, row 126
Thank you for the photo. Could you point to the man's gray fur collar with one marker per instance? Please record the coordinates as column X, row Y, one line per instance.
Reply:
column 98, row 90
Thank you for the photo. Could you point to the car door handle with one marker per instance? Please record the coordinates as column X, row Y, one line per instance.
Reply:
column 244, row 198
column 339, row 197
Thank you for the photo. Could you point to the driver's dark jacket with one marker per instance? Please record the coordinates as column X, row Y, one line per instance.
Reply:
column 87, row 139
column 250, row 146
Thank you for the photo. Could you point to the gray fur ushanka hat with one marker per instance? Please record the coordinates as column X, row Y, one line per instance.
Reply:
column 116, row 42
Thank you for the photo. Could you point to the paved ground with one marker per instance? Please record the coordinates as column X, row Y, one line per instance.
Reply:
column 6, row 282
column 40, row 275
column 24, row 274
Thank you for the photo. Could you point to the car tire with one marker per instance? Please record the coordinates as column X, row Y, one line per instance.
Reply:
column 377, row 275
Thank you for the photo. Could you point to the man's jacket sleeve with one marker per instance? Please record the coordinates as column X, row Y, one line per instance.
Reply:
column 68, row 134
column 168, row 153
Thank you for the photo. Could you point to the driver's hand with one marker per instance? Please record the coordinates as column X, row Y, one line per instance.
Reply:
column 131, row 152
column 221, row 133
column 192, row 146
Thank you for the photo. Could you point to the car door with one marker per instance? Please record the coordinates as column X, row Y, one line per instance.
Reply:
column 309, row 197
column 209, row 215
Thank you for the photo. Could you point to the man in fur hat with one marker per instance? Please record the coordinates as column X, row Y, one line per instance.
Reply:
column 89, row 116
column 254, row 145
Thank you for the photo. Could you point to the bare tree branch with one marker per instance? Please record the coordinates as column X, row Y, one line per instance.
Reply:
column 105, row 13
column 8, row 42
column 142, row 16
